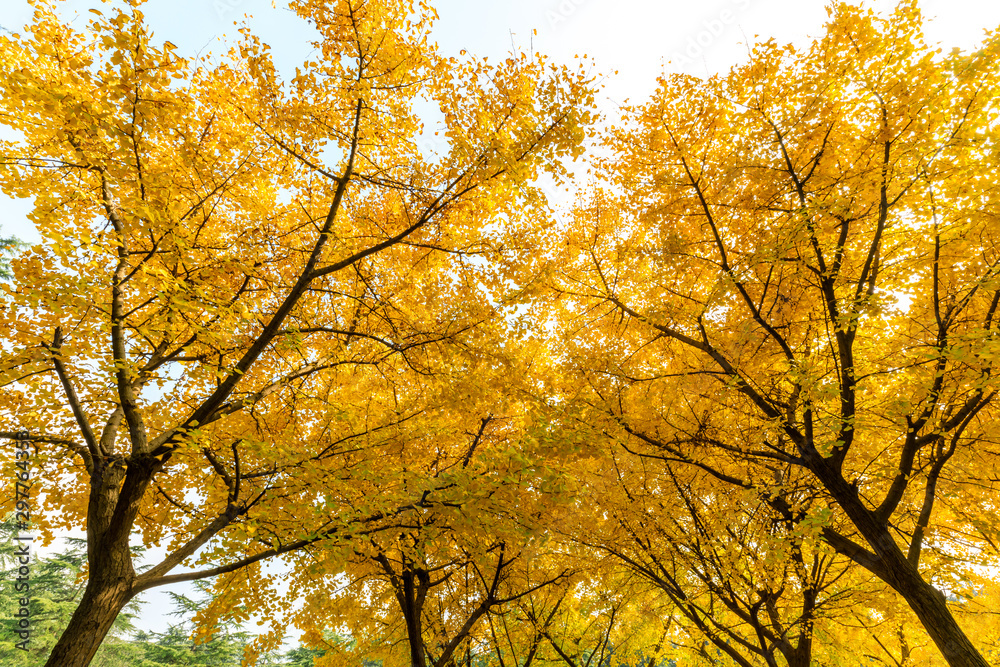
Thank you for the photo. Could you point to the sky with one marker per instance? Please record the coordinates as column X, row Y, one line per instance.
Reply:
column 631, row 42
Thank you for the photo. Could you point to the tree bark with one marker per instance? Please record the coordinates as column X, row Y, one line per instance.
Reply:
column 115, row 488
column 412, row 601
column 931, row 608
column 801, row 656
column 106, row 594
column 927, row 602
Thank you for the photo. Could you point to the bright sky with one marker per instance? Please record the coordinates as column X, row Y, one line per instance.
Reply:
column 639, row 39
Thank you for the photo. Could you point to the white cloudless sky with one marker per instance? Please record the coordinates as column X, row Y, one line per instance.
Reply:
column 630, row 41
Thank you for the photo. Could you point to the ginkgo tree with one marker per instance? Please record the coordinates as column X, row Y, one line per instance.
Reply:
column 423, row 593
column 792, row 277
column 250, row 293
column 744, row 582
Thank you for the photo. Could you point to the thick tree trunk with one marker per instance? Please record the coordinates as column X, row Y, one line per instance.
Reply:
column 414, row 636
column 931, row 608
column 102, row 601
column 412, row 598
column 111, row 582
column 927, row 602
column 801, row 657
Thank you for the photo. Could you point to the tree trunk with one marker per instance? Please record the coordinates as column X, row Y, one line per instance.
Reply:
column 102, row 601
column 802, row 655
column 931, row 608
column 414, row 636
column 927, row 602
column 411, row 598
column 111, row 581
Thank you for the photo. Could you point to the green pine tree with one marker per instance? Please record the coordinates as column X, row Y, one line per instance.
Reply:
column 55, row 588
column 56, row 583
column 8, row 246
column 176, row 647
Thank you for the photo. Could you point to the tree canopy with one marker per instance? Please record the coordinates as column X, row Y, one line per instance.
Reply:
column 791, row 294
column 737, row 408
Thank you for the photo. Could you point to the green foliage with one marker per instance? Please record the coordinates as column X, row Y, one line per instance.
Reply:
column 8, row 246
column 57, row 582
column 302, row 656
column 175, row 647
column 56, row 586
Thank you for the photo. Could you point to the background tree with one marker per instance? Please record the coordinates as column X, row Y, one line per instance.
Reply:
column 425, row 593
column 800, row 281
column 742, row 581
column 8, row 246
column 250, row 291
column 223, row 646
column 57, row 583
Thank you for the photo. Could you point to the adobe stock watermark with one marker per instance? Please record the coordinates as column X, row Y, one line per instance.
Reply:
column 560, row 13
column 224, row 7
column 22, row 538
column 713, row 28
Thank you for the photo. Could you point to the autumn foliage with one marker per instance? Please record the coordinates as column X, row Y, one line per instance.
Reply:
column 736, row 408
column 789, row 294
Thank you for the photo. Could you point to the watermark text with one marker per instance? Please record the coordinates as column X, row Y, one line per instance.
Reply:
column 22, row 539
